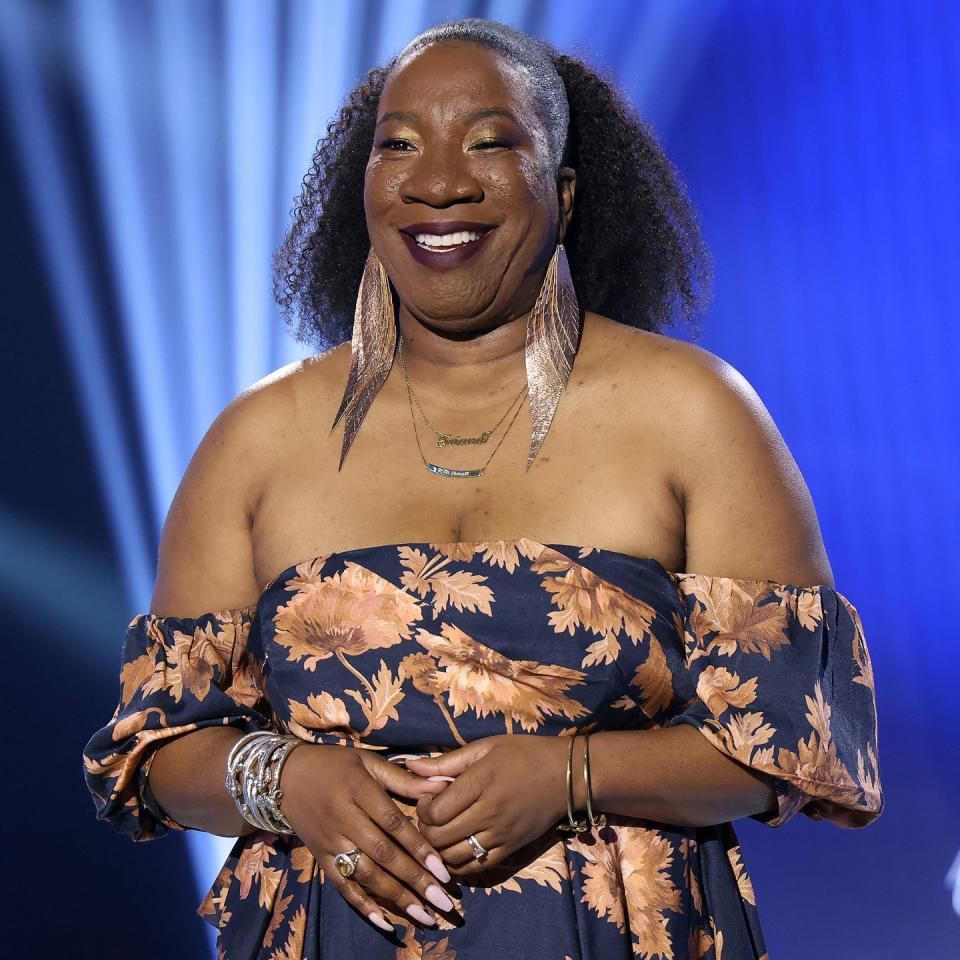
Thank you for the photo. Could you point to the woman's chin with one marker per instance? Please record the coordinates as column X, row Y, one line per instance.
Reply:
column 462, row 326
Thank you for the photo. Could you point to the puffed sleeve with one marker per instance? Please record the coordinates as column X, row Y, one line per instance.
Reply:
column 177, row 675
column 779, row 678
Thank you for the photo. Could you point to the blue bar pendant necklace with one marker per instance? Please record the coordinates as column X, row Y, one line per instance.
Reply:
column 446, row 440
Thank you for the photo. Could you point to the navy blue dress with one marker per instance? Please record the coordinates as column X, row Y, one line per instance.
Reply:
column 422, row 647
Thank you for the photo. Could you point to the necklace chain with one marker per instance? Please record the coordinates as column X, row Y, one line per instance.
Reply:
column 449, row 471
column 445, row 439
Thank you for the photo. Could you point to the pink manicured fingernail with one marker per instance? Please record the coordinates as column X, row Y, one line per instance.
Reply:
column 438, row 898
column 402, row 757
column 435, row 865
column 439, row 777
column 377, row 918
column 418, row 913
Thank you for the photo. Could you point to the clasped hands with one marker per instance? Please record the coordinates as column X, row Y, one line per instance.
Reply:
column 507, row 790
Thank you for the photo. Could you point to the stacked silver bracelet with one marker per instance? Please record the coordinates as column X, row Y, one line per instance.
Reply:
column 253, row 777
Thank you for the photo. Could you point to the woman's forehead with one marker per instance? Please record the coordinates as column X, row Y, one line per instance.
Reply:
column 455, row 79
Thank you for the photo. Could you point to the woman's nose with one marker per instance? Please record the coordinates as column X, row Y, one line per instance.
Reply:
column 441, row 178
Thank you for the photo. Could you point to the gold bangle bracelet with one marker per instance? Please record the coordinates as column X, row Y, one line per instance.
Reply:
column 572, row 825
column 599, row 820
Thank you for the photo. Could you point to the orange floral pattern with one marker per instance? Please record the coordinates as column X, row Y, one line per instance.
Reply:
column 426, row 646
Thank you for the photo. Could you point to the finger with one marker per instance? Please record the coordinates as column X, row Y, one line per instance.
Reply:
column 372, row 889
column 387, row 863
column 450, row 764
column 399, row 780
column 444, row 836
column 463, row 858
column 374, row 885
column 395, row 823
column 452, row 802
column 353, row 893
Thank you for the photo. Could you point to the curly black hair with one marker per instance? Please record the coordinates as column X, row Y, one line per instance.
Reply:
column 634, row 245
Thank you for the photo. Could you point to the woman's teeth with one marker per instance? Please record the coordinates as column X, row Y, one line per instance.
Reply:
column 449, row 241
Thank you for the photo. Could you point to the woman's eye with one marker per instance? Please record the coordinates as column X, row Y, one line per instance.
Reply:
column 492, row 143
column 387, row 144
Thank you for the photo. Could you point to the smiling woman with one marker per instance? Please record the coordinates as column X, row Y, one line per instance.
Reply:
column 492, row 159
column 429, row 738
column 634, row 245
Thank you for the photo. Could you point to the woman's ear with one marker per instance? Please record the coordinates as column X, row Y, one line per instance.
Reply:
column 566, row 188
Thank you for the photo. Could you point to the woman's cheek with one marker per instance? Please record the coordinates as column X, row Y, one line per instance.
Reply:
column 380, row 186
column 519, row 192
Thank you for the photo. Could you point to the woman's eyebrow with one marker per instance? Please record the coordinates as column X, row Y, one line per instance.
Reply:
column 476, row 115
column 399, row 115
column 492, row 112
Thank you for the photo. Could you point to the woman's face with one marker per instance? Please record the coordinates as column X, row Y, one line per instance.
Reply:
column 459, row 149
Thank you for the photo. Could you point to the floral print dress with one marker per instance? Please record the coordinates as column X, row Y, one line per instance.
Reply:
column 423, row 647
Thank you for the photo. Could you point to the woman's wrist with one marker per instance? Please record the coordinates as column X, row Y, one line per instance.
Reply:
column 255, row 767
column 599, row 741
column 291, row 782
column 579, row 787
column 577, row 782
column 558, row 793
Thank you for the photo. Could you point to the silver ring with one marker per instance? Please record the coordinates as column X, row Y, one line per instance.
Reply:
column 479, row 850
column 346, row 862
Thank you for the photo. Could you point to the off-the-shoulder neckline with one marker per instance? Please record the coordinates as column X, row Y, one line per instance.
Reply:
column 652, row 562
column 433, row 544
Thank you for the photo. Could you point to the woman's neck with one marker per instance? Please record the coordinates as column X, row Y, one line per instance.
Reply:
column 460, row 369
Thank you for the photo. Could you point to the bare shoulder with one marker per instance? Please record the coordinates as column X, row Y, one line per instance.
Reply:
column 680, row 382
column 287, row 388
column 636, row 354
column 258, row 421
column 647, row 355
column 255, row 424
column 205, row 560
column 748, row 511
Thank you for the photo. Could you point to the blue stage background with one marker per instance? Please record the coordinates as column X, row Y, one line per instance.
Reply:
column 149, row 155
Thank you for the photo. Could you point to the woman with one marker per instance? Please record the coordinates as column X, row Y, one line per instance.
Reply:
column 428, row 642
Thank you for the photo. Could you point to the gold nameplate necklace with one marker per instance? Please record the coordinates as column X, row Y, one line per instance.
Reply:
column 445, row 439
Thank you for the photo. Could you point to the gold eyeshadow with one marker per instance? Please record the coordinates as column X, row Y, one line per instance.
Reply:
column 401, row 135
column 489, row 135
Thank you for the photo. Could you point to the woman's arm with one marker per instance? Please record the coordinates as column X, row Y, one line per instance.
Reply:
column 673, row 775
column 187, row 778
column 747, row 509
column 206, row 564
column 748, row 514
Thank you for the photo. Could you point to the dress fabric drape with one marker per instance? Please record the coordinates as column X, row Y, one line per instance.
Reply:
column 422, row 647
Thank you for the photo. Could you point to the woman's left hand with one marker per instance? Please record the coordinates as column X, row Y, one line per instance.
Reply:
column 507, row 790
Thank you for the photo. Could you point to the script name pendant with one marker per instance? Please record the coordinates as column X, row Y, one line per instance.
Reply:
column 445, row 440
column 447, row 472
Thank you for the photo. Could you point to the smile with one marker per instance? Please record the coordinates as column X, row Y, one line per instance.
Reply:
column 443, row 251
column 450, row 241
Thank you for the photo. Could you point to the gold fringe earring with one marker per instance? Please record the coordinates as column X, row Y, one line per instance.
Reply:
column 553, row 335
column 372, row 349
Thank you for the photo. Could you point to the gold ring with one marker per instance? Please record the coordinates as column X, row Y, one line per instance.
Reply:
column 346, row 862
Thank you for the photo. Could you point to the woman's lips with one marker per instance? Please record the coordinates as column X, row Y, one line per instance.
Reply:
column 448, row 260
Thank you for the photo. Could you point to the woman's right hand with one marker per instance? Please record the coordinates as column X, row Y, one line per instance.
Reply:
column 335, row 798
